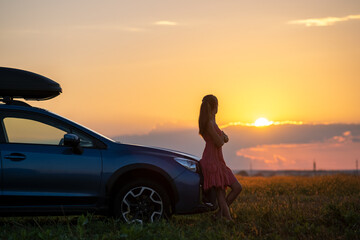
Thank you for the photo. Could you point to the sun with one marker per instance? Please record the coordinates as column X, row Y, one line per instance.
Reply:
column 262, row 122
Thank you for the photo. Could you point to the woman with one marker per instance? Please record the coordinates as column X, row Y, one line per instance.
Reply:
column 216, row 173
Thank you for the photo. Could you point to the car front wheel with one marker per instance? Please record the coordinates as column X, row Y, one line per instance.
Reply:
column 142, row 201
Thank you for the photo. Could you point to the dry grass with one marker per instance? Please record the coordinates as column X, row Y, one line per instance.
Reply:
column 322, row 207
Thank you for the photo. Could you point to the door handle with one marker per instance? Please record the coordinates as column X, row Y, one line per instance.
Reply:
column 15, row 157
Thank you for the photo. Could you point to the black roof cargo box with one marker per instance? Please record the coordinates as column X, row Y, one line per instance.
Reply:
column 16, row 83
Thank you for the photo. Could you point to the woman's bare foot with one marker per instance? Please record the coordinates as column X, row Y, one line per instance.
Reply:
column 216, row 215
column 228, row 220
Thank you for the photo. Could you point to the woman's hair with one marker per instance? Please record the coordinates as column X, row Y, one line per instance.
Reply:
column 209, row 103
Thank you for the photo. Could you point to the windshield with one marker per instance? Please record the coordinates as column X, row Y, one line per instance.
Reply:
column 82, row 126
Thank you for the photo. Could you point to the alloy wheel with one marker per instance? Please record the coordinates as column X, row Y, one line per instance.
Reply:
column 141, row 204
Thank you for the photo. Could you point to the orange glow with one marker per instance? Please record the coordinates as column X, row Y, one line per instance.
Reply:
column 124, row 70
column 262, row 122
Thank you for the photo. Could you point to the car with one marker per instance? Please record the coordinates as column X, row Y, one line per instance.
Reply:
column 51, row 165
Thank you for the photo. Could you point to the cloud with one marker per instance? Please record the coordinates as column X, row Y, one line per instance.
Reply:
column 281, row 159
column 166, row 23
column 287, row 146
column 252, row 157
column 269, row 156
column 345, row 137
column 107, row 27
column 347, row 133
column 322, row 22
column 337, row 152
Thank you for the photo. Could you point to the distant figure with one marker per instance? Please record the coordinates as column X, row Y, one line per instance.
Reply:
column 216, row 174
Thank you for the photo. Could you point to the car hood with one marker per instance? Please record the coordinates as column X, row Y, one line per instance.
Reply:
column 158, row 151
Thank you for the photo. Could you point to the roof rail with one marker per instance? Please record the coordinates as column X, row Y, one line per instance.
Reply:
column 11, row 101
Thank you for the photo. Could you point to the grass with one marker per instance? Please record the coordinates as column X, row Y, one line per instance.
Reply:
column 322, row 207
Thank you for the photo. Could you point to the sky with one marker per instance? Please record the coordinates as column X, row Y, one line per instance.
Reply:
column 133, row 67
column 275, row 147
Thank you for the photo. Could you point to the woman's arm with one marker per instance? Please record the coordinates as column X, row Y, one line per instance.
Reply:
column 226, row 138
column 218, row 140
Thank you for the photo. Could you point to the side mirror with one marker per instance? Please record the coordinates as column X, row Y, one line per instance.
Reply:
column 72, row 140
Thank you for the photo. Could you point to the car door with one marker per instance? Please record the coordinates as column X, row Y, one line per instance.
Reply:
column 38, row 170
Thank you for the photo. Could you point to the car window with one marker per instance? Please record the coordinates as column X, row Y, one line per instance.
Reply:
column 23, row 130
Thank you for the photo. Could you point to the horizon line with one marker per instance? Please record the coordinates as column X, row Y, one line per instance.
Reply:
column 287, row 122
column 303, row 170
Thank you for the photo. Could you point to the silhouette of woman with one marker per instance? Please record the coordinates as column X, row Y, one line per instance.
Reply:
column 215, row 172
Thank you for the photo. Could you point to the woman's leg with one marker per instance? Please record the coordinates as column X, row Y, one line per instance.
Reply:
column 223, row 207
column 235, row 191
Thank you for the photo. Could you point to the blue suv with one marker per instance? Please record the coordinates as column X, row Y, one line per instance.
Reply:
column 53, row 166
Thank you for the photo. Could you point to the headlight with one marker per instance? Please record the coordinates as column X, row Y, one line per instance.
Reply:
column 189, row 164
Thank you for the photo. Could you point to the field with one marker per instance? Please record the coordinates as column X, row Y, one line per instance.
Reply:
column 322, row 207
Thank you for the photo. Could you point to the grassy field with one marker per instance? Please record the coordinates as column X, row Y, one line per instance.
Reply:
column 323, row 207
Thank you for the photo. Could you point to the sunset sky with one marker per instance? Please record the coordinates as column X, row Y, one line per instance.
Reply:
column 129, row 67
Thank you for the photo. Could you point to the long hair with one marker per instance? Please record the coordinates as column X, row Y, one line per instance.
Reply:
column 209, row 102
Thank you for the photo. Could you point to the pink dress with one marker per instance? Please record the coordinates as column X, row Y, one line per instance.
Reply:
column 214, row 169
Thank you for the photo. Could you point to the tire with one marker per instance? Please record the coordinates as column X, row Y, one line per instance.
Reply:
column 142, row 201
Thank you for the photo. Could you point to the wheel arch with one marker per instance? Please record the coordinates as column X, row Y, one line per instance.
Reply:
column 136, row 171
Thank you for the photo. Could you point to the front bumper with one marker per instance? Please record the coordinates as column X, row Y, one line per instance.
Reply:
column 190, row 193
